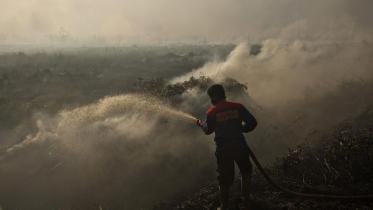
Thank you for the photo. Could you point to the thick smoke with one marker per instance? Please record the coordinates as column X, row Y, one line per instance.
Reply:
column 284, row 73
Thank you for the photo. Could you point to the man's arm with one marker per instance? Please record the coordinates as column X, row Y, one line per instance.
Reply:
column 208, row 126
column 249, row 120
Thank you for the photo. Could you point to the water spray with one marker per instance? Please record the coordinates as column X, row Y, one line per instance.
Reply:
column 180, row 114
column 104, row 111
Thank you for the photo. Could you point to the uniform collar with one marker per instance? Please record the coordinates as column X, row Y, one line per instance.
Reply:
column 220, row 102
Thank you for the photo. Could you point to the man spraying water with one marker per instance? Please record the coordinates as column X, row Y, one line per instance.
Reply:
column 229, row 120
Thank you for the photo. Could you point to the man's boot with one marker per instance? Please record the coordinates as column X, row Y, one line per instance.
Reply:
column 245, row 188
column 224, row 198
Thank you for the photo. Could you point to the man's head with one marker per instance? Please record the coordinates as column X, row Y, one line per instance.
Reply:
column 216, row 93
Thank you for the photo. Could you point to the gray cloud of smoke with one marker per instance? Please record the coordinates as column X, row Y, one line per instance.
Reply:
column 145, row 21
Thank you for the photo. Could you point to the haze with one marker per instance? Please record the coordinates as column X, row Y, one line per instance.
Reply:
column 164, row 21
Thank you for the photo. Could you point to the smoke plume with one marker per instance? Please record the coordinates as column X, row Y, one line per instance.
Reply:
column 285, row 73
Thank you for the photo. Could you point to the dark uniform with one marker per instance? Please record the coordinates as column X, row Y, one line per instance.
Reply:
column 229, row 120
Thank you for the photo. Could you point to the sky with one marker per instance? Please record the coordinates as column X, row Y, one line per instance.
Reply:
column 158, row 21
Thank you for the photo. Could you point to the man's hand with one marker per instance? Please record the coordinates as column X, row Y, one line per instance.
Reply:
column 199, row 123
column 203, row 125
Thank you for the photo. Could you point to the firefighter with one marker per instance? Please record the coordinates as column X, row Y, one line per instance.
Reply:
column 229, row 120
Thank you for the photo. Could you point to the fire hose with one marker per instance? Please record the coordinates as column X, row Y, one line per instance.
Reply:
column 308, row 195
